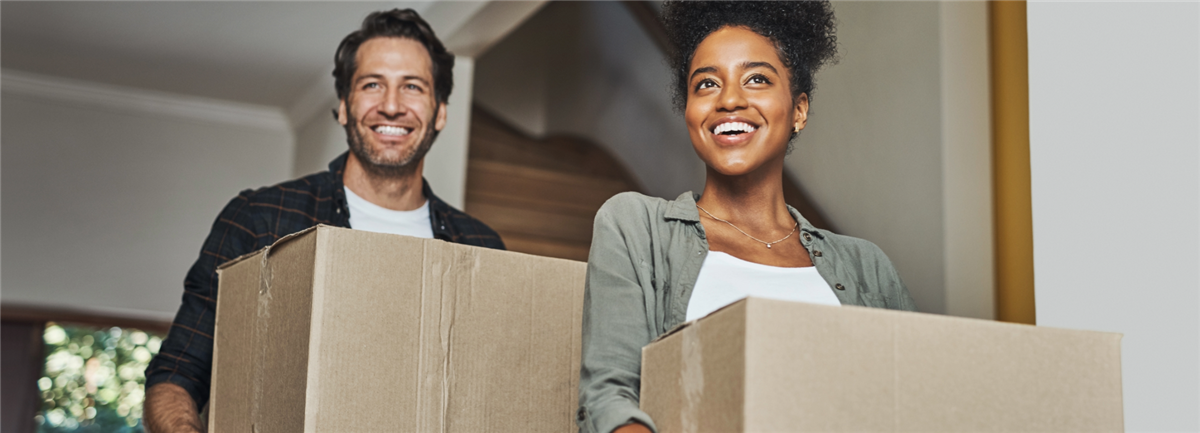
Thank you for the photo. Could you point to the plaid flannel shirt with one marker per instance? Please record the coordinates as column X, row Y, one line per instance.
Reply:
column 253, row 220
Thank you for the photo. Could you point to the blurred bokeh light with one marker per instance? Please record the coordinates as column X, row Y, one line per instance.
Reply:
column 94, row 378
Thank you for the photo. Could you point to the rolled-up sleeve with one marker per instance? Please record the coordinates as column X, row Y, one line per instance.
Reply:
column 185, row 357
column 617, row 323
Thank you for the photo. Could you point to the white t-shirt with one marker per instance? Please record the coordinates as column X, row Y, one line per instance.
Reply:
column 725, row 279
column 368, row 216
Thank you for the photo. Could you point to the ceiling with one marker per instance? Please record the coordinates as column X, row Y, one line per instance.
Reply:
column 267, row 53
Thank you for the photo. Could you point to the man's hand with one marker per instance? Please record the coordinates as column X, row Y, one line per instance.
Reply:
column 169, row 409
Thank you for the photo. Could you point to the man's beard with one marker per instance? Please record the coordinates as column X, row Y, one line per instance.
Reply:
column 375, row 164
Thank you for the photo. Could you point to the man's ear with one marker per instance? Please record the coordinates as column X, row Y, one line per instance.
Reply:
column 440, row 122
column 341, row 112
column 801, row 112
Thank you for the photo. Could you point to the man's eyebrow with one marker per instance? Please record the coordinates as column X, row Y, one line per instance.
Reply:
column 368, row 76
column 416, row 77
column 380, row 77
column 704, row 70
column 752, row 65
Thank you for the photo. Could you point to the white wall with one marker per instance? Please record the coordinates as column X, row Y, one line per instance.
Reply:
column 967, row 161
column 897, row 145
column 108, row 193
column 1115, row 153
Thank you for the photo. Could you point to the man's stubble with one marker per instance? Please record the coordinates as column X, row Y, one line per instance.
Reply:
column 375, row 164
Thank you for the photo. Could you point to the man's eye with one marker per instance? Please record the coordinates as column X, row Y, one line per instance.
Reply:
column 413, row 87
column 371, row 86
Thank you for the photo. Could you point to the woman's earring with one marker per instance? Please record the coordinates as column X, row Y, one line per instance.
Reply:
column 797, row 130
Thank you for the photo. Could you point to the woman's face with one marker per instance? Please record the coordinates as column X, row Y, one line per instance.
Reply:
column 740, row 112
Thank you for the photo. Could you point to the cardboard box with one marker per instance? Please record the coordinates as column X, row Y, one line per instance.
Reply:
column 337, row 330
column 774, row 366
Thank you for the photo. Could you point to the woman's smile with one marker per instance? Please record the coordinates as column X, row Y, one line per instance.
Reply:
column 733, row 131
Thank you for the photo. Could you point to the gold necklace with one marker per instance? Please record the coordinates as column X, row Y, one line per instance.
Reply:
column 768, row 244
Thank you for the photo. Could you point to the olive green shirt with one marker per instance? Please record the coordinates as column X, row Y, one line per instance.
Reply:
column 646, row 255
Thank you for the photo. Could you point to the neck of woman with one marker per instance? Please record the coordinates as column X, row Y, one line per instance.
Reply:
column 753, row 201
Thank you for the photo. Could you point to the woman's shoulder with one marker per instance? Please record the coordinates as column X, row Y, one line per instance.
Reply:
column 858, row 248
column 632, row 206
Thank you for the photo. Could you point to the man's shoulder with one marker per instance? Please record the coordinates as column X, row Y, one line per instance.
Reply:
column 284, row 208
column 316, row 186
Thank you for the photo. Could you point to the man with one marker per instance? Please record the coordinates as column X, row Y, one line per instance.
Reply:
column 393, row 78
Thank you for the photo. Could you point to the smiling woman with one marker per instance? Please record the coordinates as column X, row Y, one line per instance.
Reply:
column 743, row 76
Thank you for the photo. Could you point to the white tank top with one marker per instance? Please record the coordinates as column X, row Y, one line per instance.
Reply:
column 725, row 279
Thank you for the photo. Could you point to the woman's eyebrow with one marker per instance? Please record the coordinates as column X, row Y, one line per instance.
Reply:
column 752, row 65
column 704, row 70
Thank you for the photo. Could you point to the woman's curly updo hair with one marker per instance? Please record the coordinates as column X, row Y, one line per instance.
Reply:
column 804, row 33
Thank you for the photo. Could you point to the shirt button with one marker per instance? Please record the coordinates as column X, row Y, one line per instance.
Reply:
column 807, row 237
column 839, row 286
column 699, row 252
column 818, row 253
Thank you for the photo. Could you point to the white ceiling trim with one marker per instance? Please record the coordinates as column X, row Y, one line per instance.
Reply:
column 140, row 101
column 320, row 98
column 487, row 25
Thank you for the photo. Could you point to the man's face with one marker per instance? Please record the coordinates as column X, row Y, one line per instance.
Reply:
column 391, row 114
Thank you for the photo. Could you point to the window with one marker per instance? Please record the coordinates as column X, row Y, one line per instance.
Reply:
column 93, row 378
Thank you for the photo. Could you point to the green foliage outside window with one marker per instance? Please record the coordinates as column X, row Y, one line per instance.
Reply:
column 94, row 379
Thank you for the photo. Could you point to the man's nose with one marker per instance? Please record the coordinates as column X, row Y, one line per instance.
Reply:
column 392, row 105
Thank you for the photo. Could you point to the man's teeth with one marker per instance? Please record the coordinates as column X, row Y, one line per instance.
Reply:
column 391, row 130
column 738, row 127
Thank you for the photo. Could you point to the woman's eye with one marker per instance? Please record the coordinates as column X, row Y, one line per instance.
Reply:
column 705, row 84
column 758, row 79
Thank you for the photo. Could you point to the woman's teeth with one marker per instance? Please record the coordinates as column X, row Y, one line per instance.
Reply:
column 733, row 127
column 391, row 130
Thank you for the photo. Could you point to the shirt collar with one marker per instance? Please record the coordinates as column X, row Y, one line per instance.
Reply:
column 683, row 208
column 337, row 167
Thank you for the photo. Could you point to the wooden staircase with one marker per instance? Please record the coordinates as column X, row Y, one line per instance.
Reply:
column 540, row 195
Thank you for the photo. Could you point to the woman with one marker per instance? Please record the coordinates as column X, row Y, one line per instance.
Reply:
column 743, row 75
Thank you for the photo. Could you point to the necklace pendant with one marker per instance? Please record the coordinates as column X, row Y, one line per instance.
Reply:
column 768, row 246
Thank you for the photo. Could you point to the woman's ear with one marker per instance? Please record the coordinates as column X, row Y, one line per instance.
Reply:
column 801, row 118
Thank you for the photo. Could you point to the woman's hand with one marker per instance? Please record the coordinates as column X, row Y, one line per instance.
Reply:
column 632, row 427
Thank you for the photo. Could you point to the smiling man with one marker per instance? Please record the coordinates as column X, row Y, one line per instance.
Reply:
column 393, row 79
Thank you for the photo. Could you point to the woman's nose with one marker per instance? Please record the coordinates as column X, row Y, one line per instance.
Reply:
column 731, row 98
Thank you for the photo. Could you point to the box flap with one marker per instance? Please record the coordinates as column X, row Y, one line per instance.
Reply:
column 243, row 257
column 680, row 326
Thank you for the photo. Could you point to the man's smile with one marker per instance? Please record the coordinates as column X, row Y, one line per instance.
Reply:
column 391, row 131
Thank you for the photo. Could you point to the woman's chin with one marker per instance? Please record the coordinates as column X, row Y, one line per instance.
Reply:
column 733, row 169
